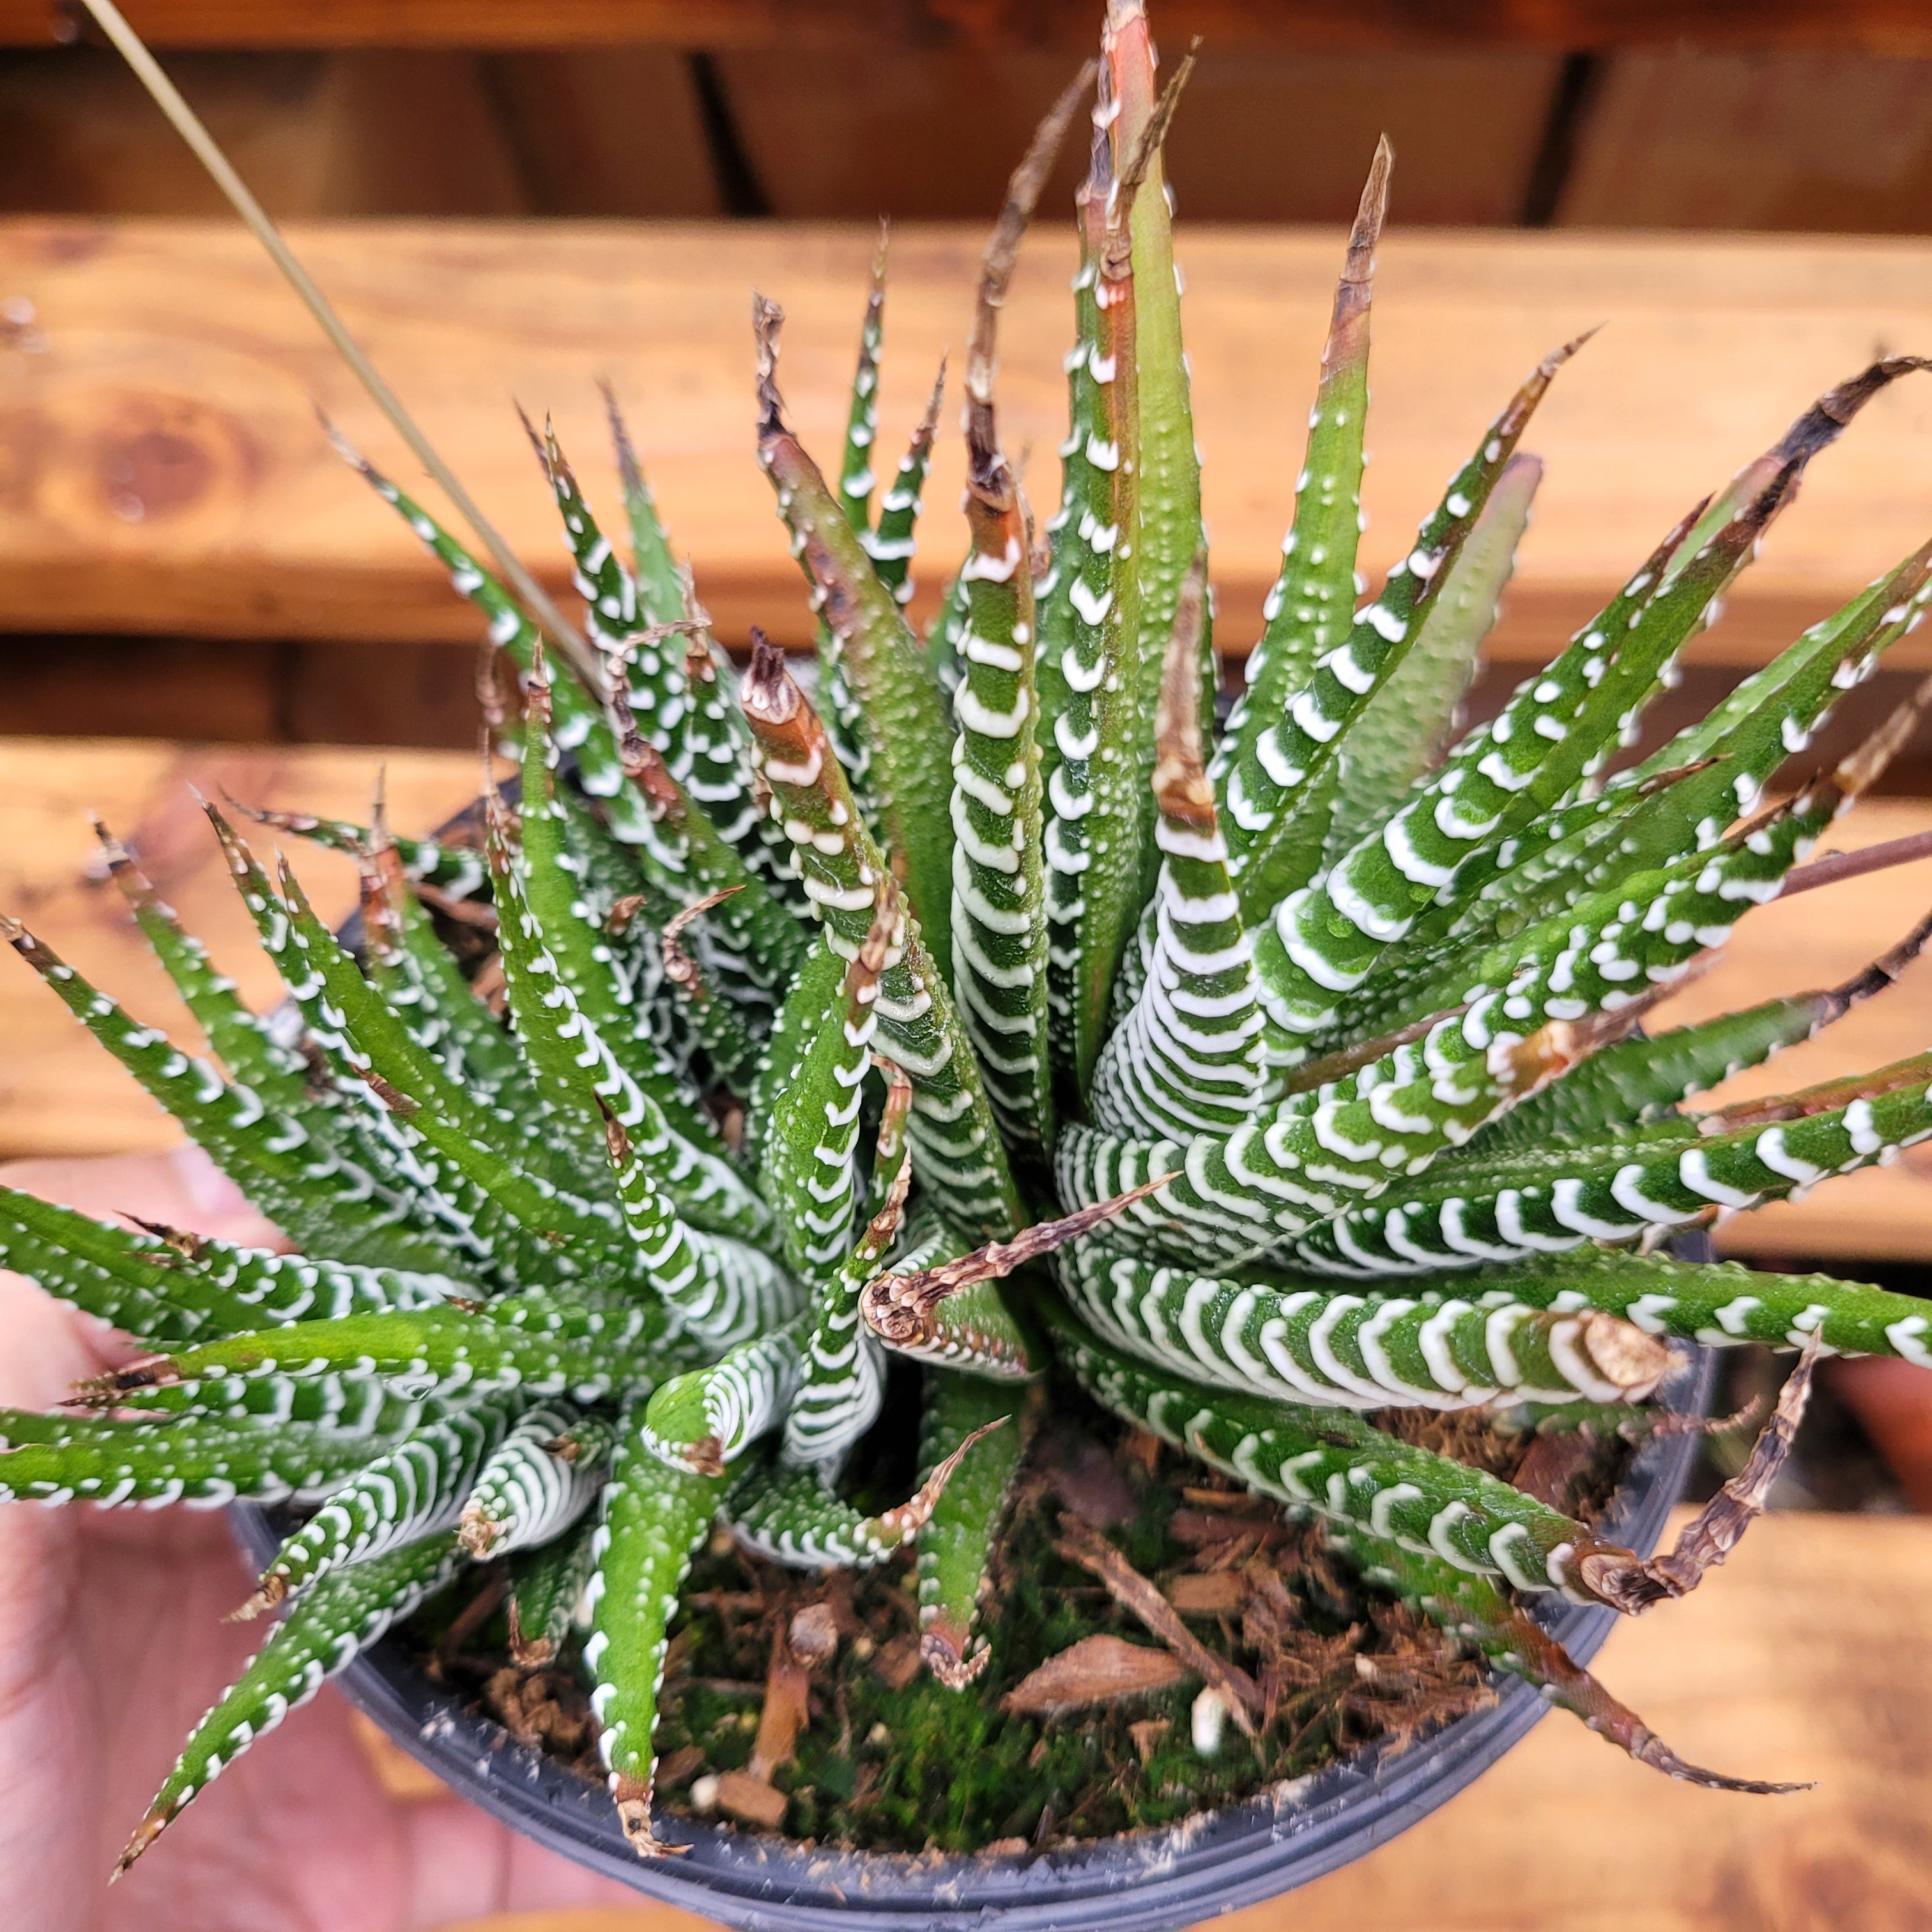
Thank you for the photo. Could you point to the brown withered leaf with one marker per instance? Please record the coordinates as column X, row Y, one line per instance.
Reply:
column 680, row 1768
column 1553, row 1466
column 1096, row 1670
column 804, row 1641
column 1236, row 1502
column 1199, row 1527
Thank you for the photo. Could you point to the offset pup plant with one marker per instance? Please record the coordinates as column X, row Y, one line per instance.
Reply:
column 1001, row 1011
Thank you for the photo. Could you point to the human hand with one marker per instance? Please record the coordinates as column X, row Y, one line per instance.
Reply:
column 113, row 1648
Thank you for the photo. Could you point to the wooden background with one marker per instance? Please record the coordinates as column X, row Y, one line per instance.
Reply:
column 511, row 197
column 1578, row 116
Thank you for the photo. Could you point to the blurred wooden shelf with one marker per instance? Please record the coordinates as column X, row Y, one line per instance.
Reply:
column 1774, row 1669
column 59, row 1094
column 1891, row 25
column 163, row 472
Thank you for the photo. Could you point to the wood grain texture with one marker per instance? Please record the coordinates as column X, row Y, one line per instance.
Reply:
column 1774, row 1669
column 359, row 131
column 161, row 469
column 59, row 1094
column 1553, row 25
column 1266, row 136
column 1694, row 138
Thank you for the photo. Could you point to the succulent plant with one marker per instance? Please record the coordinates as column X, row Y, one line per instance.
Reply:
column 1010, row 1014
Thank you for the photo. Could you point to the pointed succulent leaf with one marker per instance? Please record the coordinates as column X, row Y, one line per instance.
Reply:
column 325, row 1633
column 416, row 1489
column 891, row 546
column 654, row 1517
column 197, row 1461
column 1638, row 1079
column 1313, row 601
column 538, row 1481
column 1265, row 793
column 998, row 919
column 787, row 1515
column 1186, row 1058
column 1402, row 732
column 956, row 1146
column 955, row 1547
column 1304, row 1341
column 907, row 777
column 1616, row 1191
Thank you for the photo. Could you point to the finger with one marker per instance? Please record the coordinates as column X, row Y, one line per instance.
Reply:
column 464, row 1866
column 178, row 1185
column 46, row 1347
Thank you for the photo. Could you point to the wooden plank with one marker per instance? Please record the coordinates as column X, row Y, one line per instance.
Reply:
column 614, row 131
column 1694, row 138
column 227, row 690
column 360, row 131
column 163, row 470
column 1774, row 1669
column 1888, row 25
column 832, row 138
column 242, row 691
column 59, row 1093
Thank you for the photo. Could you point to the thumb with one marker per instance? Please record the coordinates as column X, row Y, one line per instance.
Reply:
column 178, row 1185
column 464, row 1866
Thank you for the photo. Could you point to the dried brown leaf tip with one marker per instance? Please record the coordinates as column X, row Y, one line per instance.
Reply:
column 899, row 1307
column 680, row 967
column 986, row 463
column 1348, row 341
column 188, row 1247
column 633, row 1798
column 643, row 764
column 767, row 322
column 1180, row 785
column 770, row 693
column 1630, row 1584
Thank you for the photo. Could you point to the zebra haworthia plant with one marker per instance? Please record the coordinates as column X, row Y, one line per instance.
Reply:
column 1011, row 1018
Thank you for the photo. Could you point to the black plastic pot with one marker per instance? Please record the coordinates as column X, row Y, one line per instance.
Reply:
column 1150, row 1881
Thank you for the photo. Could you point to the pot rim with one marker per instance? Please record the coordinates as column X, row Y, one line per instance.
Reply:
column 1152, row 1880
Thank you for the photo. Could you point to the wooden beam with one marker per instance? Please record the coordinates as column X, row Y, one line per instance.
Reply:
column 832, row 138
column 60, row 1094
column 164, row 473
column 1699, row 138
column 1552, row 25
